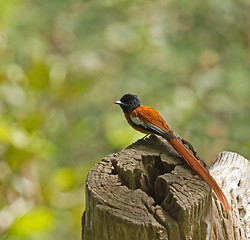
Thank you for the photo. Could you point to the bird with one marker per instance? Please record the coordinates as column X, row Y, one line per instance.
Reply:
column 149, row 121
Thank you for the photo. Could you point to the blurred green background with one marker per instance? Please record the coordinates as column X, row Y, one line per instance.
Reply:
column 64, row 63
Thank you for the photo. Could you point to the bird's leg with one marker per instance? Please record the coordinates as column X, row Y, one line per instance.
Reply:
column 145, row 136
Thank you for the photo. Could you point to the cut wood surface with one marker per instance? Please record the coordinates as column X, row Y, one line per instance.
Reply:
column 148, row 192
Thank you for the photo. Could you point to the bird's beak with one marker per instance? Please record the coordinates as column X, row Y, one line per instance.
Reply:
column 121, row 103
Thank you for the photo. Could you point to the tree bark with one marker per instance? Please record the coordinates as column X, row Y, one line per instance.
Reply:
column 148, row 192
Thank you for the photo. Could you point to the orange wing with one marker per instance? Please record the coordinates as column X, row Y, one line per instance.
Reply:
column 149, row 117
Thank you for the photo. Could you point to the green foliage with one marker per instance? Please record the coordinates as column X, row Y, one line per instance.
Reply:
column 64, row 63
column 37, row 220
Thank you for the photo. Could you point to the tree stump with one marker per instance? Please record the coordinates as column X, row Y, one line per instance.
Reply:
column 148, row 192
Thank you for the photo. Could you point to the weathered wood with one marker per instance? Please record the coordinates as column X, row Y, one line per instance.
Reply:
column 232, row 173
column 148, row 192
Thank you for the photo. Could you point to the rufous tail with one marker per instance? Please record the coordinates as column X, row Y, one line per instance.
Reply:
column 196, row 166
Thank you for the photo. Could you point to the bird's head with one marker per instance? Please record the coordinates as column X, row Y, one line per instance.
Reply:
column 128, row 103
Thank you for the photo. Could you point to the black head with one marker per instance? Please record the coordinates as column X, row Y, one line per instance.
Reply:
column 128, row 103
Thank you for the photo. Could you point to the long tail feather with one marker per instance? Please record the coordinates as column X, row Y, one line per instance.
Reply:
column 196, row 166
